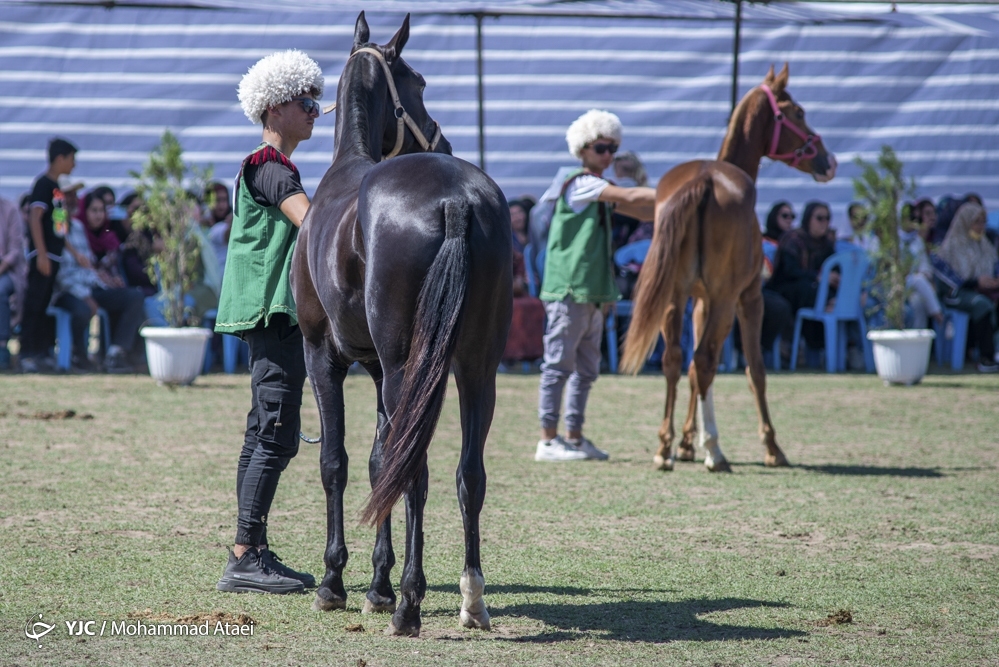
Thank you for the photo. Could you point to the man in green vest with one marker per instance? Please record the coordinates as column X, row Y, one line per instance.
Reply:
column 256, row 304
column 578, row 284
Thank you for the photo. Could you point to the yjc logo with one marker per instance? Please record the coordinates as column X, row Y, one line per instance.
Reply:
column 35, row 630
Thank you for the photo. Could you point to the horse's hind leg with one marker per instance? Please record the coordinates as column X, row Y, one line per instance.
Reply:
column 477, row 396
column 406, row 619
column 672, row 363
column 685, row 449
column 380, row 596
column 717, row 324
column 750, row 311
column 326, row 373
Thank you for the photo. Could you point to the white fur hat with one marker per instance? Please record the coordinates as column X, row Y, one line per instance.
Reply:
column 276, row 79
column 591, row 126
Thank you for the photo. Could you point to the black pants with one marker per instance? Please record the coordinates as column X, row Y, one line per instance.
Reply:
column 277, row 369
column 37, row 328
column 778, row 320
column 125, row 309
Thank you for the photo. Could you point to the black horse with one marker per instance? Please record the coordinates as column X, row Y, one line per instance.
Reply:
column 403, row 265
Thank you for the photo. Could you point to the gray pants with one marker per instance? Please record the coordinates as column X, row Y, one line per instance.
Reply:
column 572, row 355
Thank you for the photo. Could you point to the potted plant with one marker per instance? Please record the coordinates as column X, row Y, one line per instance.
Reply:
column 901, row 355
column 174, row 352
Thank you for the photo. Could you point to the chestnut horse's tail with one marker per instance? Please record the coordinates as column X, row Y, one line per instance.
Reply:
column 680, row 215
column 435, row 336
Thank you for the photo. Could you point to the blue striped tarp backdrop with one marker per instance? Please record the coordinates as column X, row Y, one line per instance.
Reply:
column 112, row 80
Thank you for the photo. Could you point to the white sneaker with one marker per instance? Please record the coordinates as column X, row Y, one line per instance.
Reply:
column 558, row 449
column 587, row 447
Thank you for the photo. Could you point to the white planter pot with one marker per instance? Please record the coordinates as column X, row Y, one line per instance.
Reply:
column 175, row 355
column 901, row 356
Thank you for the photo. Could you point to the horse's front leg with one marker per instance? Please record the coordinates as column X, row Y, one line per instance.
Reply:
column 380, row 597
column 406, row 619
column 477, row 393
column 750, row 312
column 326, row 374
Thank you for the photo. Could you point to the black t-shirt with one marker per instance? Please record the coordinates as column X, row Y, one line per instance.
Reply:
column 271, row 182
column 54, row 231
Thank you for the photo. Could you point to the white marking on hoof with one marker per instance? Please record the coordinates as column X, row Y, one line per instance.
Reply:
column 707, row 432
column 473, row 608
column 371, row 608
column 661, row 463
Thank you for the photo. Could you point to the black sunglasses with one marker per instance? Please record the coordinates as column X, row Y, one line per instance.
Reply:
column 787, row 216
column 308, row 104
column 600, row 149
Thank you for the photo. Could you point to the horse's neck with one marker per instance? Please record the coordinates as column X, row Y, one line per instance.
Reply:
column 745, row 142
column 359, row 131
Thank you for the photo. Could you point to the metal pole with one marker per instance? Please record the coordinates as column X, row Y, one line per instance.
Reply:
column 482, row 94
column 735, row 55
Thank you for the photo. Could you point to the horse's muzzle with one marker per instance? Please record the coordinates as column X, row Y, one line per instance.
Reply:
column 824, row 167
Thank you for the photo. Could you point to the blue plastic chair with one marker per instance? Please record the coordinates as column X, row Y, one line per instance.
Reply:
column 853, row 268
column 232, row 349
column 533, row 284
column 64, row 334
column 954, row 348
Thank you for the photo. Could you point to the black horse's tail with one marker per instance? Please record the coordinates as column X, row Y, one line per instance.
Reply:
column 435, row 335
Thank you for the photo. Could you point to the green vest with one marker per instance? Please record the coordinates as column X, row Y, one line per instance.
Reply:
column 578, row 261
column 257, row 279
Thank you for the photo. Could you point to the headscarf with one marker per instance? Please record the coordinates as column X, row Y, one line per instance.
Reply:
column 969, row 258
column 773, row 230
column 104, row 240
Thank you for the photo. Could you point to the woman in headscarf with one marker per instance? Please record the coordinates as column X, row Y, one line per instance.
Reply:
column 799, row 261
column 966, row 268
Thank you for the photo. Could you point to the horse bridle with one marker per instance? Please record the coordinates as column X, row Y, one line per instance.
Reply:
column 808, row 151
column 402, row 118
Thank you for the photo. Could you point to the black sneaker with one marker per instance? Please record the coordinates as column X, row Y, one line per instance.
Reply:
column 273, row 561
column 249, row 574
column 116, row 363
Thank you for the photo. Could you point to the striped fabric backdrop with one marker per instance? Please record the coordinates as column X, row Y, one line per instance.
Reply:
column 112, row 80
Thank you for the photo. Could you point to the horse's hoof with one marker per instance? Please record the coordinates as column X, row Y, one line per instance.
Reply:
column 404, row 631
column 777, row 460
column 478, row 621
column 378, row 607
column 685, row 453
column 721, row 465
column 662, row 464
column 321, row 603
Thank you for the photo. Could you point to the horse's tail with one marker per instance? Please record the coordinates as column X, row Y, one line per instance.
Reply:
column 424, row 385
column 654, row 289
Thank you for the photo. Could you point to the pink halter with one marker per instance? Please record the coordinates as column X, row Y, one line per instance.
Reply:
column 807, row 151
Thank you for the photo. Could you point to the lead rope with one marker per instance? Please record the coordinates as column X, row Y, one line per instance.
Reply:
column 311, row 441
column 402, row 118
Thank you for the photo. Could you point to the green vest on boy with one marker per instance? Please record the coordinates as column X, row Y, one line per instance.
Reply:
column 257, row 280
column 578, row 260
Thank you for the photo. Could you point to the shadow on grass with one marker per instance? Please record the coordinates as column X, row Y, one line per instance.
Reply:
column 872, row 471
column 640, row 621
column 525, row 589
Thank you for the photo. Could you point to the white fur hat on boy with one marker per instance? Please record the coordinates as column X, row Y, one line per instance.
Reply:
column 276, row 79
column 591, row 126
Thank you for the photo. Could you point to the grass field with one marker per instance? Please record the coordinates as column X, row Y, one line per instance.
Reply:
column 888, row 518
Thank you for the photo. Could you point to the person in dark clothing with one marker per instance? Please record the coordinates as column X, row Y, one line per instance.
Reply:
column 799, row 260
column 257, row 304
column 48, row 225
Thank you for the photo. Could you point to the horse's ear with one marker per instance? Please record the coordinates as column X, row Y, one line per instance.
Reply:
column 362, row 35
column 394, row 48
column 769, row 78
column 780, row 82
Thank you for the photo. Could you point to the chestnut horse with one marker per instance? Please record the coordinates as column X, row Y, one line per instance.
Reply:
column 403, row 265
column 707, row 244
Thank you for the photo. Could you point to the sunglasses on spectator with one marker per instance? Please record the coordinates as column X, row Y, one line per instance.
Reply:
column 787, row 216
column 309, row 105
column 600, row 149
column 822, row 218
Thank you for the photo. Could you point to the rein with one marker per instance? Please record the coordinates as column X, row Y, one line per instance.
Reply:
column 807, row 151
column 402, row 118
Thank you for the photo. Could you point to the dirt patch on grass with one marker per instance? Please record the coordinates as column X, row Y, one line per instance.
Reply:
column 216, row 616
column 841, row 617
column 45, row 415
